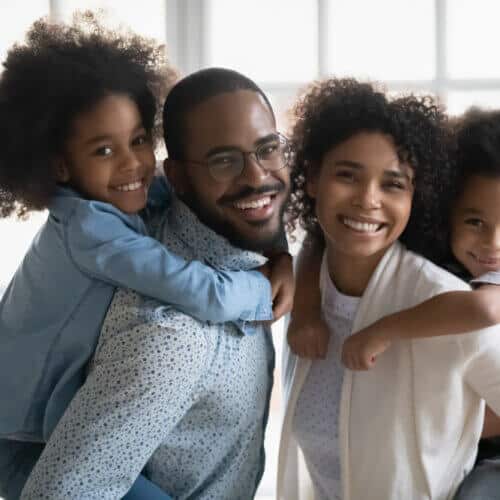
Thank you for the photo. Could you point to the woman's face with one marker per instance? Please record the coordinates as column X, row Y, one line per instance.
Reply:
column 363, row 196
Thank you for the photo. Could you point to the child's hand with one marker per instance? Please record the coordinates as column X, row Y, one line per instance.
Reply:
column 361, row 349
column 309, row 340
column 282, row 284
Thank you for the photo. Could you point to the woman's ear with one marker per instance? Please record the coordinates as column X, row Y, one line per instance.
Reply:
column 61, row 170
column 174, row 172
column 312, row 176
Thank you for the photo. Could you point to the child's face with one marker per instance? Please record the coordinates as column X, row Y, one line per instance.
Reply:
column 109, row 156
column 363, row 196
column 475, row 226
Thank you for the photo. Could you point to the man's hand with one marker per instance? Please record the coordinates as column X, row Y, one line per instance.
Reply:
column 361, row 349
column 309, row 340
column 282, row 284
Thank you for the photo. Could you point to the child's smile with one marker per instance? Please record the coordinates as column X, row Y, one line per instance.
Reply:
column 475, row 238
column 109, row 156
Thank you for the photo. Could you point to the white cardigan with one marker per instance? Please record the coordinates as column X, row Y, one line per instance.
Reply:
column 409, row 427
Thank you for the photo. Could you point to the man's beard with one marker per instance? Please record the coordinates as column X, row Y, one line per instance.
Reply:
column 223, row 227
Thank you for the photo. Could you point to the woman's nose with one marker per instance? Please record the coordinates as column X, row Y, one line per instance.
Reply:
column 368, row 197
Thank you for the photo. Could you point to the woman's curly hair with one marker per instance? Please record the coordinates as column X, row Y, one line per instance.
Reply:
column 332, row 111
column 59, row 72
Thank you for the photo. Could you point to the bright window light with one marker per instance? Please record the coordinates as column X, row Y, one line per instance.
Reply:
column 382, row 39
column 270, row 41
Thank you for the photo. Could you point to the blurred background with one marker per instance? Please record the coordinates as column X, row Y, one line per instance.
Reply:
column 444, row 47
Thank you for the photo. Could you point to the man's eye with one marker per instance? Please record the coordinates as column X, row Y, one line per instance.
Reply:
column 268, row 150
column 103, row 151
column 223, row 161
column 474, row 222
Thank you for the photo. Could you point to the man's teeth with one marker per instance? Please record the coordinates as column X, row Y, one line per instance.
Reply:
column 261, row 202
column 130, row 187
column 365, row 227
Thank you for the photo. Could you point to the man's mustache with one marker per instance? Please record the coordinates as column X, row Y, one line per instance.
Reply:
column 278, row 187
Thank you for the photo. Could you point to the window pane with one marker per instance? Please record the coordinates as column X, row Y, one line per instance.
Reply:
column 15, row 18
column 473, row 38
column 146, row 18
column 267, row 40
column 458, row 102
column 383, row 39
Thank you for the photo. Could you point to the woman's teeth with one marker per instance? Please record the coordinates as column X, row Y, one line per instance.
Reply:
column 365, row 227
column 129, row 187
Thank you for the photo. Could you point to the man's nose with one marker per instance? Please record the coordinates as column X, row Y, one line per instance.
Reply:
column 252, row 174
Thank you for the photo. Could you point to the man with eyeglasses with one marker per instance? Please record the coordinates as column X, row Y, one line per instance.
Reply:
column 185, row 400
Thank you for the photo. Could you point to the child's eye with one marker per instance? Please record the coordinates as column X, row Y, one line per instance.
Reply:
column 140, row 140
column 475, row 222
column 103, row 151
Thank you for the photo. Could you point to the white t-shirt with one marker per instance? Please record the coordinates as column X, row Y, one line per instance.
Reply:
column 316, row 419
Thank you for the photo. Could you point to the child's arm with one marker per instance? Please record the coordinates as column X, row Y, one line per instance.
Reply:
column 106, row 247
column 445, row 314
column 307, row 333
column 282, row 283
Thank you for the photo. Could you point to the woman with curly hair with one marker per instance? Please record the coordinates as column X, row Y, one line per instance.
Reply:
column 78, row 108
column 370, row 182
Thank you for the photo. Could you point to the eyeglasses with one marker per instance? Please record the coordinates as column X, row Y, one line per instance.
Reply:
column 272, row 155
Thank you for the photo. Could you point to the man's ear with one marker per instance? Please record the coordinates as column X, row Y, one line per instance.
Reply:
column 175, row 174
column 61, row 170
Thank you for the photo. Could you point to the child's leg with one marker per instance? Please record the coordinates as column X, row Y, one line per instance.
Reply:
column 144, row 489
column 482, row 483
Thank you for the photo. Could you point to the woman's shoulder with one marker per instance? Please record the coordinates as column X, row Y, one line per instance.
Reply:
column 426, row 275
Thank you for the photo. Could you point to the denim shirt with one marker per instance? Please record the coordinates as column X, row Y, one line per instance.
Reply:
column 185, row 398
column 52, row 311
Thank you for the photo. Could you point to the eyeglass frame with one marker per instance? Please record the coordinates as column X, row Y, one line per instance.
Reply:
column 244, row 154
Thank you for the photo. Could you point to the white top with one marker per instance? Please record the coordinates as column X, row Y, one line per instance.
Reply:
column 408, row 428
column 316, row 416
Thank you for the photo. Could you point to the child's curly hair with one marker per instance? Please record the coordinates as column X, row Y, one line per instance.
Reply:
column 59, row 72
column 334, row 110
column 477, row 143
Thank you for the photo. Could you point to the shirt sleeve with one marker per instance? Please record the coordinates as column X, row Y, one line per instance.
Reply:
column 109, row 248
column 482, row 365
column 140, row 386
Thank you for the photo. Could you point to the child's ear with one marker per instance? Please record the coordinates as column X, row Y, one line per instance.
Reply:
column 175, row 174
column 61, row 170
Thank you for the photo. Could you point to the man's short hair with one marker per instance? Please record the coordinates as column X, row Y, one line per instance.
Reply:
column 192, row 91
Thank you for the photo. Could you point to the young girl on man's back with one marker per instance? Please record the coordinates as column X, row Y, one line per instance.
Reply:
column 77, row 118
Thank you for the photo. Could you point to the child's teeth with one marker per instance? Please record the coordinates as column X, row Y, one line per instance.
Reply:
column 130, row 187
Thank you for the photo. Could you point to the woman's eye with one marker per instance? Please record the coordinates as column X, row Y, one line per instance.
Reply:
column 395, row 185
column 345, row 174
column 103, row 151
column 474, row 222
